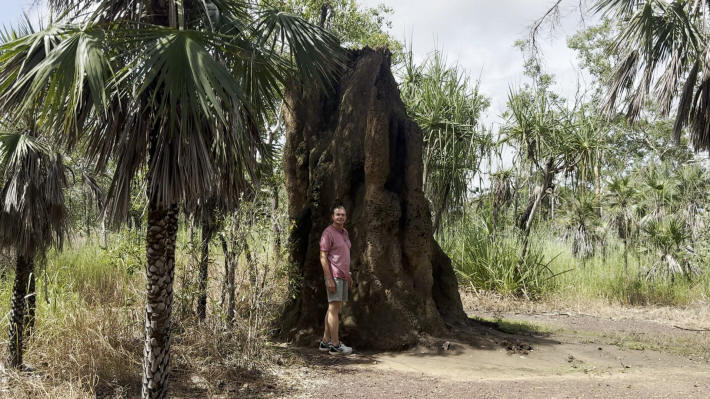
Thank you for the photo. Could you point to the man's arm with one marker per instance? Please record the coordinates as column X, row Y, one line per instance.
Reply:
column 330, row 283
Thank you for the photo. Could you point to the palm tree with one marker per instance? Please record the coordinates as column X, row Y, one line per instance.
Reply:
column 179, row 88
column 541, row 129
column 667, row 238
column 663, row 42
column 620, row 202
column 445, row 104
column 584, row 224
column 32, row 218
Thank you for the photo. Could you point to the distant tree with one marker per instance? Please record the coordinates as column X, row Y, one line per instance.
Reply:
column 355, row 25
column 620, row 198
column 663, row 42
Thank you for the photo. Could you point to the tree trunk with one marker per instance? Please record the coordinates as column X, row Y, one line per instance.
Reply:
column 526, row 218
column 231, row 289
column 160, row 253
column 276, row 228
column 225, row 250
column 204, row 266
column 31, row 302
column 23, row 271
column 356, row 146
column 104, row 231
column 87, row 221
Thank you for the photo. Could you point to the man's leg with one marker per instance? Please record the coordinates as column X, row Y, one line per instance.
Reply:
column 326, row 333
column 332, row 322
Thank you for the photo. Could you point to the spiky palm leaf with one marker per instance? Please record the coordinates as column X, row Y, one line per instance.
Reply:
column 666, row 42
column 584, row 224
column 196, row 96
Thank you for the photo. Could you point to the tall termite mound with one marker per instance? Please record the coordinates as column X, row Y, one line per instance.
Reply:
column 356, row 146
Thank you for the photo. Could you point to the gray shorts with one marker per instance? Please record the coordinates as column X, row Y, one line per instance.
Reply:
column 341, row 290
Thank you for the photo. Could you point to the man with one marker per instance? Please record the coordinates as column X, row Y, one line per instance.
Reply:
column 335, row 259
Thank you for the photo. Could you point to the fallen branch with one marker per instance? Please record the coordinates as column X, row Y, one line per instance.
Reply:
column 692, row 329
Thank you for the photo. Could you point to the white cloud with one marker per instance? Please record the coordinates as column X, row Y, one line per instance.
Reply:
column 479, row 35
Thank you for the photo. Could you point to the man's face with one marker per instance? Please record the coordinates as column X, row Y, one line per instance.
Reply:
column 339, row 216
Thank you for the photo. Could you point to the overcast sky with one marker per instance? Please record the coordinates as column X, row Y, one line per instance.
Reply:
column 478, row 34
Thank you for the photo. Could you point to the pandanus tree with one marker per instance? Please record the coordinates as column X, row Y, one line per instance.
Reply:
column 447, row 106
column 32, row 218
column 175, row 88
column 540, row 128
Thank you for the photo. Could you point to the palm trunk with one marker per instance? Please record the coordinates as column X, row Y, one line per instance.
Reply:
column 17, row 311
column 87, row 222
column 204, row 263
column 104, row 231
column 231, row 290
column 225, row 250
column 31, row 302
column 276, row 228
column 160, row 253
column 538, row 193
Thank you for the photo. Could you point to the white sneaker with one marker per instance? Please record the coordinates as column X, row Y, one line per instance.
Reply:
column 340, row 349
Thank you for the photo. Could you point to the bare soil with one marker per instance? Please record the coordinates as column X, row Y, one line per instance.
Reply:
column 526, row 350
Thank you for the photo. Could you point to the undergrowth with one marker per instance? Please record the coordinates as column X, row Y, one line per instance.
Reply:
column 88, row 337
column 491, row 262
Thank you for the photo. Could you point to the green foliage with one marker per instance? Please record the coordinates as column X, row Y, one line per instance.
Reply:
column 494, row 264
column 355, row 26
column 584, row 227
column 447, row 105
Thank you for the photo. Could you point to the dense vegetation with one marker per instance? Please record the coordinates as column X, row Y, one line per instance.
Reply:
column 571, row 200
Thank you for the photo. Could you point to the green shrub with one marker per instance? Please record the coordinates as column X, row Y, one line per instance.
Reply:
column 493, row 263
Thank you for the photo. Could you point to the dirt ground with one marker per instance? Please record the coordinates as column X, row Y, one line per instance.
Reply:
column 522, row 350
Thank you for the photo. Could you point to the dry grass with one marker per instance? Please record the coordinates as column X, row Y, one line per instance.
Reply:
column 88, row 340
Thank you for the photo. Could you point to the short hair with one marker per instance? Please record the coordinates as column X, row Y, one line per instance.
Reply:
column 335, row 208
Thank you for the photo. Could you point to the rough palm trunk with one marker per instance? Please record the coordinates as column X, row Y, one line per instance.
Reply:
column 275, row 226
column 17, row 310
column 104, row 231
column 204, row 267
column 231, row 289
column 160, row 253
column 356, row 146
column 87, row 221
column 31, row 302
column 225, row 250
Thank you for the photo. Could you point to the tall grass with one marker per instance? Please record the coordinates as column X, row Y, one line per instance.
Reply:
column 551, row 271
column 603, row 276
column 494, row 263
column 88, row 337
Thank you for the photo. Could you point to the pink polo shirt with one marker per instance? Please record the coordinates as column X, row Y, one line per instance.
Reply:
column 337, row 245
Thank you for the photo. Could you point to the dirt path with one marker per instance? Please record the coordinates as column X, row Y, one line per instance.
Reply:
column 539, row 353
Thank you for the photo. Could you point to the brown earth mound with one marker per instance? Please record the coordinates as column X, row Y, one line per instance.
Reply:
column 356, row 146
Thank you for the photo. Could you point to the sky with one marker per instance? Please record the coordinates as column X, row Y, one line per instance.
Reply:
column 477, row 34
column 12, row 10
